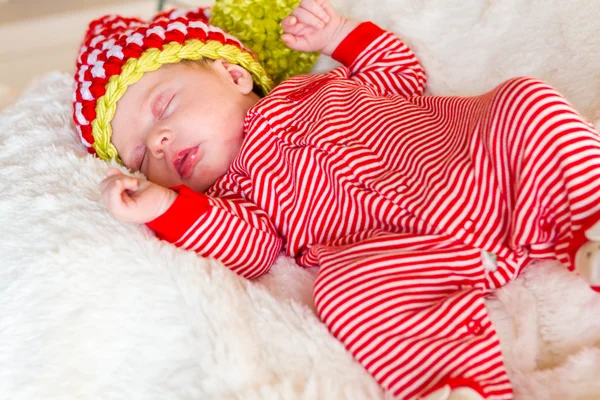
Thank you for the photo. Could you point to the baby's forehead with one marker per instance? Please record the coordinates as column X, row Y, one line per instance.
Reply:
column 200, row 64
column 184, row 69
column 164, row 74
column 138, row 92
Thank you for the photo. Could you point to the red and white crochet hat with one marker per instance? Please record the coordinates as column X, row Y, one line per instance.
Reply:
column 117, row 51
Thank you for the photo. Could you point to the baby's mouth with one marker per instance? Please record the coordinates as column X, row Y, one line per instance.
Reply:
column 186, row 161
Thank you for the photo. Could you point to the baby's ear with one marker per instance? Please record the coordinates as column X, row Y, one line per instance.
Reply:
column 238, row 75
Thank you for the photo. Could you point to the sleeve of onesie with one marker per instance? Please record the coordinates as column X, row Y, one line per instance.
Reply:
column 380, row 59
column 229, row 229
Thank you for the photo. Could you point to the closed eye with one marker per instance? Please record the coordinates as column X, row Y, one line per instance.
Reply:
column 168, row 109
column 162, row 106
column 140, row 154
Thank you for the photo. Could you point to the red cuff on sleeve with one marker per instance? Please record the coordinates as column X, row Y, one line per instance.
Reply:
column 185, row 210
column 356, row 42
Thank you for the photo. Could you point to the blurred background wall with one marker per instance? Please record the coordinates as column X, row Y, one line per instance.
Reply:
column 38, row 36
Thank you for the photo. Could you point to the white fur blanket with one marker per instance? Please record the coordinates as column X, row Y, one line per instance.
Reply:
column 91, row 308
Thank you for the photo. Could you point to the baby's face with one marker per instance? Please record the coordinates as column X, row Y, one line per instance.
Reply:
column 183, row 124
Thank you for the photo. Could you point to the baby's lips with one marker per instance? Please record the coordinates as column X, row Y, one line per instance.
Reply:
column 185, row 161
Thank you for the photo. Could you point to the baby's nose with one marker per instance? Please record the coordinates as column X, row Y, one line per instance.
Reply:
column 159, row 142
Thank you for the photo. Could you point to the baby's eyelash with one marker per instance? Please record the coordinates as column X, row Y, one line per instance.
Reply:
column 160, row 104
column 143, row 158
column 166, row 106
column 139, row 158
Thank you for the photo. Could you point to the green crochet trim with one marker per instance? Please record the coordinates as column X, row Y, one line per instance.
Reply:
column 257, row 24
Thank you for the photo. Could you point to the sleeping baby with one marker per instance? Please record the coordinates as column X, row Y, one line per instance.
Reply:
column 397, row 197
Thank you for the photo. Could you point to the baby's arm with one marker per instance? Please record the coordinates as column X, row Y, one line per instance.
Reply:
column 229, row 229
column 375, row 57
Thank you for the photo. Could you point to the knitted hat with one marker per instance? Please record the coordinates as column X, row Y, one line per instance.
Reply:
column 117, row 51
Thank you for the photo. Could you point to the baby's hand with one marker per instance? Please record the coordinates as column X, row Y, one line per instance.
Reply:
column 130, row 199
column 314, row 26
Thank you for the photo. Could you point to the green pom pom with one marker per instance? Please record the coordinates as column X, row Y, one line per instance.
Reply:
column 257, row 24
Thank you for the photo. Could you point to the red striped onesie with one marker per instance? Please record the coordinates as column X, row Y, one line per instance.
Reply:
column 393, row 195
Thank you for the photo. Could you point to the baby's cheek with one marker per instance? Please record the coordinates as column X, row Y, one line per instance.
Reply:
column 159, row 173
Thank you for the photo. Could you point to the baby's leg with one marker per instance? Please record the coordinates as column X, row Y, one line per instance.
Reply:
column 410, row 309
column 547, row 159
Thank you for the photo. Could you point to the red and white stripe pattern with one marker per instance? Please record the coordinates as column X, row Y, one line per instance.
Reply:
column 394, row 195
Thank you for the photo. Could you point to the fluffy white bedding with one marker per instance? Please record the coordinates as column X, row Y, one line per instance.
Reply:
column 91, row 308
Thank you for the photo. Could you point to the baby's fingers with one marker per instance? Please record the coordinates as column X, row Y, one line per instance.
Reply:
column 113, row 172
column 105, row 183
column 130, row 183
column 116, row 191
column 120, row 180
column 117, row 199
column 298, row 43
column 306, row 17
column 315, row 7
column 290, row 25
column 111, row 175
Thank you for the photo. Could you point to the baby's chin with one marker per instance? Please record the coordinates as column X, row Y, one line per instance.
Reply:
column 200, row 185
column 206, row 174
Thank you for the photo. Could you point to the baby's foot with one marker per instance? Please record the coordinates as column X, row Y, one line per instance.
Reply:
column 587, row 258
column 459, row 393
